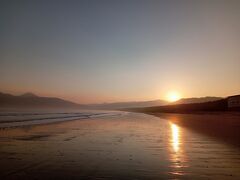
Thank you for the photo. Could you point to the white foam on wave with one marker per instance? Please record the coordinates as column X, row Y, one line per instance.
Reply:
column 16, row 119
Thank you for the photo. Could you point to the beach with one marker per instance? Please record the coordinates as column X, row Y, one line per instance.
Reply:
column 122, row 145
column 223, row 126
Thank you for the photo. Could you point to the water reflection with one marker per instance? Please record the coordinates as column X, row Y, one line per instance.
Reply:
column 175, row 137
column 176, row 155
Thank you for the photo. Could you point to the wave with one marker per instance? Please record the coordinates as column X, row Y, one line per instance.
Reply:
column 15, row 119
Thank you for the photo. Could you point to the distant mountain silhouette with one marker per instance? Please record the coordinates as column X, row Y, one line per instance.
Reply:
column 30, row 100
column 29, row 94
column 196, row 100
column 120, row 105
column 218, row 105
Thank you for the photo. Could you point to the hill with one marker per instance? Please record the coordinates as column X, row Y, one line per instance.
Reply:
column 219, row 105
column 196, row 100
column 30, row 100
column 120, row 105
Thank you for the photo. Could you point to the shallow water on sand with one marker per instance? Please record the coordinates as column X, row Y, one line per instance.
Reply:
column 124, row 146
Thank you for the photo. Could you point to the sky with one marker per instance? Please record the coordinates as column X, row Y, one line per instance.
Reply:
column 97, row 51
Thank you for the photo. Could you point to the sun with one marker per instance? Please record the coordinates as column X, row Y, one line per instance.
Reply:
column 173, row 96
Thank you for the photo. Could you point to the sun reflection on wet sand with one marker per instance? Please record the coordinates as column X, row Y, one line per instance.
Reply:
column 176, row 150
column 175, row 137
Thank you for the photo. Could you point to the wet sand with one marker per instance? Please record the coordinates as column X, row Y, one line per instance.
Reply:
column 126, row 146
column 224, row 126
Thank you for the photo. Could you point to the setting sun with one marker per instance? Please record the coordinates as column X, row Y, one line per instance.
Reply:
column 173, row 96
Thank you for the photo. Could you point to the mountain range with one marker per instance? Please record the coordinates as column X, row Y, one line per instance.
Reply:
column 120, row 105
column 30, row 100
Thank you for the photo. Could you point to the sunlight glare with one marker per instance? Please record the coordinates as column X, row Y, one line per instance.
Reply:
column 173, row 96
